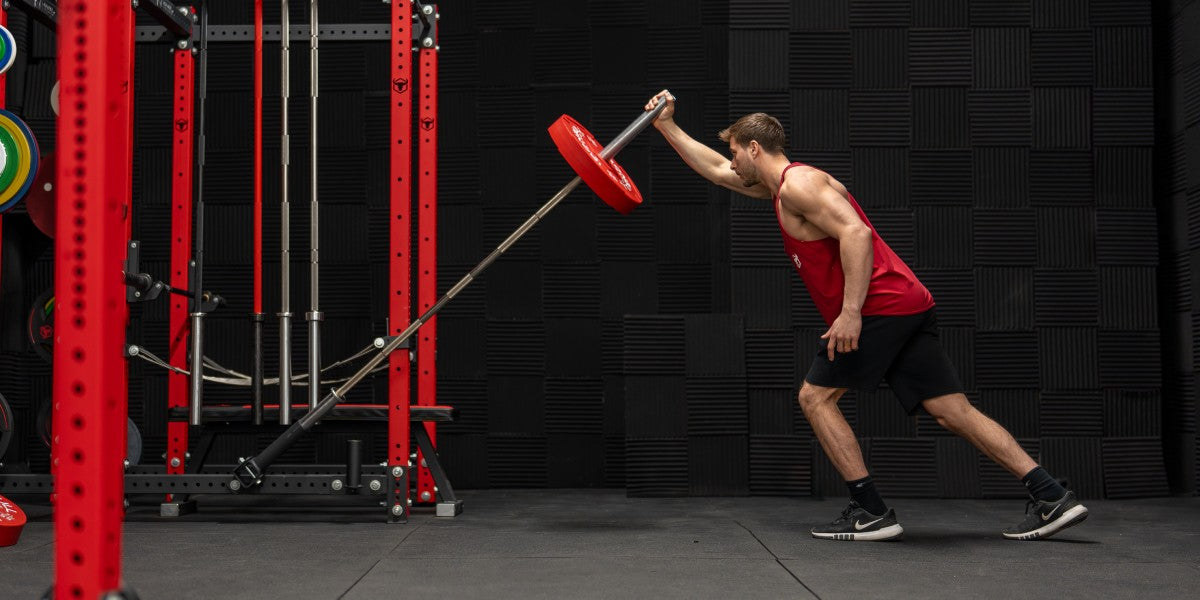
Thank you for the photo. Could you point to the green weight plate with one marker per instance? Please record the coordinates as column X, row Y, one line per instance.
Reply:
column 8, row 172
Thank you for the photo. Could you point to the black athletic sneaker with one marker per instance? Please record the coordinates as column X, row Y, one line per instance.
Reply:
column 856, row 524
column 1044, row 519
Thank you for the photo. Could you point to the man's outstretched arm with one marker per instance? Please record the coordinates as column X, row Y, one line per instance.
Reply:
column 709, row 163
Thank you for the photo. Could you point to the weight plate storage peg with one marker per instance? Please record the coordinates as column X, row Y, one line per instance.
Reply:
column 606, row 178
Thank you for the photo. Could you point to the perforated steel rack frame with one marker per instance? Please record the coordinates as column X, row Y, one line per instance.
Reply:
column 96, row 61
column 95, row 50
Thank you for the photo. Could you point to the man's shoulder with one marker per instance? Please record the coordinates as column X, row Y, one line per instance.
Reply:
column 802, row 184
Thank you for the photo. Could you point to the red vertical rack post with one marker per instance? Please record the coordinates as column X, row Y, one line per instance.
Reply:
column 89, row 401
column 400, row 303
column 182, row 147
column 427, row 253
column 129, row 38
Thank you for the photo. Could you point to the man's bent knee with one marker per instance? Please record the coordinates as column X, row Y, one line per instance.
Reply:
column 951, row 412
column 812, row 396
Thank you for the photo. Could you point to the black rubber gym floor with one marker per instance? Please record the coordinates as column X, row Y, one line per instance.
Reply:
column 600, row 544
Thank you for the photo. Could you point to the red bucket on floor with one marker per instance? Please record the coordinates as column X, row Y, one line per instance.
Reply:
column 12, row 521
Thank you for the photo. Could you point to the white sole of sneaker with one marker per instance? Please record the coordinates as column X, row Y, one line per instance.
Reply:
column 1070, row 518
column 891, row 532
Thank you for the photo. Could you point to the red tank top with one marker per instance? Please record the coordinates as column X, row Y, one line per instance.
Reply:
column 893, row 290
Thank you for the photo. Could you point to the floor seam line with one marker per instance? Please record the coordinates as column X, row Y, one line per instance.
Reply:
column 376, row 563
column 777, row 561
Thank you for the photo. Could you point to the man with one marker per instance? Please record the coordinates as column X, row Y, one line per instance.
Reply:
column 882, row 325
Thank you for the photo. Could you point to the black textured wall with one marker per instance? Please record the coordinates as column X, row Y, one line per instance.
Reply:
column 1004, row 148
column 1178, row 195
column 1005, row 151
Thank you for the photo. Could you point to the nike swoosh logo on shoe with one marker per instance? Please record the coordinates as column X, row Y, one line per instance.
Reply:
column 859, row 525
column 1046, row 516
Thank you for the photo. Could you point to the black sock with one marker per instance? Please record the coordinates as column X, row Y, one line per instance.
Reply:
column 864, row 493
column 1042, row 486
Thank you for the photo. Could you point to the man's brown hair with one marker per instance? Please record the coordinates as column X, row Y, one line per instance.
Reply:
column 759, row 127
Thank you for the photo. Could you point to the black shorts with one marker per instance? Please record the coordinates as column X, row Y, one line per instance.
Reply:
column 905, row 351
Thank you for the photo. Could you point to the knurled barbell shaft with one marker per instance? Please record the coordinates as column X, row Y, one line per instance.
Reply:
column 250, row 471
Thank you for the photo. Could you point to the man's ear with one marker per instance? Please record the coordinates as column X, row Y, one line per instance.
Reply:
column 754, row 148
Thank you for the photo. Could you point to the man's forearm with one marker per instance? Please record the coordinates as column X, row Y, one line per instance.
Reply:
column 700, row 158
column 857, row 258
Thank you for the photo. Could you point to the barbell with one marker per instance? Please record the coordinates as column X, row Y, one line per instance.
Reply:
column 592, row 164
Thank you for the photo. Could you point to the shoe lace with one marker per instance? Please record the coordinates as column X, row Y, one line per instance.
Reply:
column 846, row 512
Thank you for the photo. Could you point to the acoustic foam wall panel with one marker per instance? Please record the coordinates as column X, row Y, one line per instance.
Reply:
column 880, row 415
column 880, row 13
column 1124, row 177
column 1062, row 57
column 656, row 467
column 1057, row 295
column 716, row 406
column 880, row 118
column 1123, row 117
column 780, row 465
column 1001, row 177
column 991, row 13
column 994, row 243
column 1001, row 57
column 470, row 397
column 1124, row 57
column 763, row 64
column 714, row 346
column 940, row 57
column 718, row 465
column 1071, row 414
column 573, row 348
column 1109, row 13
column 819, row 59
column 957, row 468
column 575, row 460
column 569, row 236
column 1006, row 359
column 880, row 58
column 1000, row 117
column 1066, row 237
column 627, row 288
column 954, row 186
column 517, row 461
column 571, row 291
column 820, row 14
column 1060, row 14
column 764, row 296
column 905, row 467
column 881, row 177
column 1135, row 413
column 1133, row 468
column 1004, row 299
column 770, row 411
column 771, row 358
column 1079, row 460
column 1062, row 117
column 655, row 406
